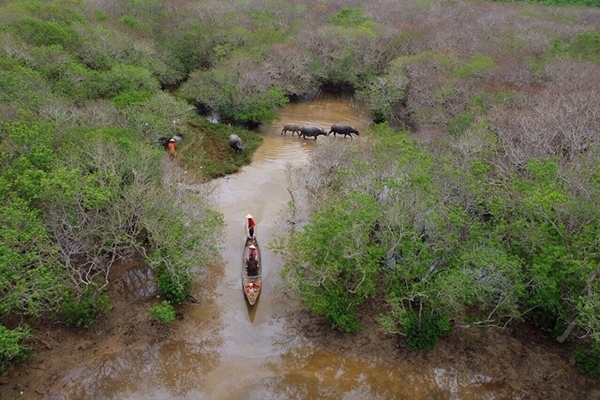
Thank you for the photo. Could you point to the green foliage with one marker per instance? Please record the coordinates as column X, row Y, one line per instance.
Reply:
column 480, row 103
column 540, row 239
column 180, row 40
column 130, row 22
column 125, row 78
column 24, row 88
column 267, row 29
column 46, row 33
column 587, row 360
column 335, row 309
column 459, row 124
column 221, row 90
column 182, row 235
column 12, row 345
column 333, row 264
column 80, row 83
column 103, row 49
column 423, row 333
column 173, row 287
column 77, row 82
column 588, row 3
column 261, row 107
column 163, row 312
column 474, row 65
column 353, row 18
column 129, row 99
column 585, row 46
column 65, row 12
column 146, row 15
column 221, row 159
column 84, row 309
column 339, row 63
column 385, row 93
column 30, row 279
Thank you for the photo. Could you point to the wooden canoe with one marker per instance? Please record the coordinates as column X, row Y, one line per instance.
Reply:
column 251, row 279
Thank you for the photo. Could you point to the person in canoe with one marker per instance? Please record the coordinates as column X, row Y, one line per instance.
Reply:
column 252, row 261
column 253, row 286
column 251, row 224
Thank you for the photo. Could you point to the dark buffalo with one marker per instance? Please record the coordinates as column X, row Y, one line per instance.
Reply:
column 312, row 131
column 291, row 128
column 235, row 142
column 345, row 130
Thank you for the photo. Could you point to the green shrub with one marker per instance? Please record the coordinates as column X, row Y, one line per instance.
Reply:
column 474, row 65
column 24, row 88
column 259, row 107
column 128, row 99
column 121, row 79
column 423, row 334
column 350, row 17
column 83, row 311
column 163, row 312
column 179, row 41
column 338, row 234
column 63, row 12
column 384, row 94
column 78, row 83
column 337, row 308
column 12, row 346
column 175, row 289
column 586, row 46
column 130, row 21
column 588, row 3
column 459, row 124
column 46, row 33
column 587, row 360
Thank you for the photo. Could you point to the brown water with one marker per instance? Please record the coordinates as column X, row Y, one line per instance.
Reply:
column 228, row 350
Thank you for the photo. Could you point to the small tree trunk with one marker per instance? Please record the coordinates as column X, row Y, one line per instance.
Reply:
column 567, row 332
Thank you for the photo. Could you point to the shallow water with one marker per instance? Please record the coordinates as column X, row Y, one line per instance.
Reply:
column 228, row 350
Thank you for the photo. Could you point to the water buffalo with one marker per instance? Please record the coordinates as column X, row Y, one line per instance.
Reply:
column 311, row 131
column 235, row 142
column 345, row 130
column 291, row 128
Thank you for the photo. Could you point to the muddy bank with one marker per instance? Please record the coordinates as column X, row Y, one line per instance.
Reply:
column 512, row 364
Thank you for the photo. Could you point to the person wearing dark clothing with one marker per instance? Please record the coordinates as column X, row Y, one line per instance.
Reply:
column 251, row 225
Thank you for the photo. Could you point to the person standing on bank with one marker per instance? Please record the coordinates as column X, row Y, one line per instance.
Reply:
column 250, row 224
column 171, row 148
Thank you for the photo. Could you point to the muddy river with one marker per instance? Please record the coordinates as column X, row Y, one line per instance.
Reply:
column 228, row 350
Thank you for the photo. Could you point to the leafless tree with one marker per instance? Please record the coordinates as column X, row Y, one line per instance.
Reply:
column 560, row 119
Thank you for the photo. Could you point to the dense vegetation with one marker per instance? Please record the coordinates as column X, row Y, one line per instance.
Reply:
column 489, row 218
column 589, row 3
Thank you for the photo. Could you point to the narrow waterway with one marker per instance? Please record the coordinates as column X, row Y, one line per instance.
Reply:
column 228, row 350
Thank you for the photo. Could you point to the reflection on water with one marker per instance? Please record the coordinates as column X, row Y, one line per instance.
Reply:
column 252, row 309
column 139, row 282
column 225, row 349
column 307, row 373
column 174, row 368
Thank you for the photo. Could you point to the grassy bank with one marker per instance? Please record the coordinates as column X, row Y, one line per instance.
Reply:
column 205, row 150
